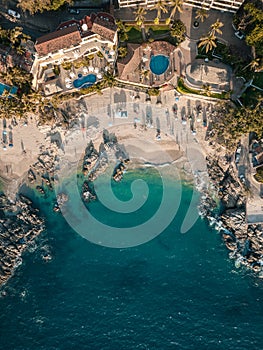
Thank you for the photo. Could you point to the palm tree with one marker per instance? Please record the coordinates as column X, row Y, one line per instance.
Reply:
column 160, row 6
column 122, row 51
column 201, row 14
column 207, row 89
column 109, row 79
column 254, row 64
column 20, row 50
column 176, row 5
column 208, row 42
column 144, row 74
column 122, row 30
column 215, row 27
column 140, row 15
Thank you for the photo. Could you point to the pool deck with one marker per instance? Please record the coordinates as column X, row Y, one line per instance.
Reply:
column 132, row 67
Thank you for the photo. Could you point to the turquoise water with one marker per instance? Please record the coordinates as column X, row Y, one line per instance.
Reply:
column 178, row 291
column 3, row 87
column 159, row 64
column 85, row 81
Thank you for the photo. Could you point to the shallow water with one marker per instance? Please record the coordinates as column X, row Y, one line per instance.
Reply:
column 178, row 291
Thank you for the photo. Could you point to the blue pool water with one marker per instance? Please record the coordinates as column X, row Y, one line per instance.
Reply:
column 159, row 64
column 3, row 87
column 85, row 81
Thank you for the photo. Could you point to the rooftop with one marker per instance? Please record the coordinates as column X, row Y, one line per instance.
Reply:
column 71, row 32
column 58, row 40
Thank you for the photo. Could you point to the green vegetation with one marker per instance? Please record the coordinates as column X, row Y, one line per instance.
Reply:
column 178, row 31
column 153, row 92
column 201, row 14
column 122, row 51
column 161, row 7
column 176, row 5
column 100, row 54
column 67, row 65
column 251, row 23
column 251, row 96
column 140, row 15
column 207, row 42
column 134, row 35
column 34, row 6
column 14, row 38
column 181, row 87
column 259, row 174
column 81, row 62
column 18, row 77
column 258, row 80
column 122, row 30
column 230, row 123
column 215, row 28
column 56, row 70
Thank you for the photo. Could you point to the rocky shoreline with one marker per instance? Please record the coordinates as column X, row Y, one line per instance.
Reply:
column 245, row 242
column 20, row 224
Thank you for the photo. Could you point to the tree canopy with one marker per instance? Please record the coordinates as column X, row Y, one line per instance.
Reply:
column 230, row 123
column 34, row 6
column 251, row 22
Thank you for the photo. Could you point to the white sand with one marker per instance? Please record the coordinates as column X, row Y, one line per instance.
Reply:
column 15, row 161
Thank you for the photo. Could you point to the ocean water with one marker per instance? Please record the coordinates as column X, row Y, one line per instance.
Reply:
column 177, row 291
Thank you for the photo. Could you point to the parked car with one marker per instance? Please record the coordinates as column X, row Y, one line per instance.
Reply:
column 73, row 11
column 13, row 13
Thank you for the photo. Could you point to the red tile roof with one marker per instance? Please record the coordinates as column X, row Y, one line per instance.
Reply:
column 103, row 27
column 58, row 40
column 70, row 32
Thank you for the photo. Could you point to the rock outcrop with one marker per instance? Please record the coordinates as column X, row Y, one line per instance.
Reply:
column 20, row 224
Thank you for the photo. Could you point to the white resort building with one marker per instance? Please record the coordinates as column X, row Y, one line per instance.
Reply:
column 73, row 40
column 222, row 5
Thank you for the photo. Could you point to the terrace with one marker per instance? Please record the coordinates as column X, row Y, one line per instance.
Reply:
column 67, row 76
column 72, row 42
column 216, row 74
column 136, row 67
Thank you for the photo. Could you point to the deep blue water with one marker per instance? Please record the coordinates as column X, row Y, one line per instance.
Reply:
column 85, row 81
column 178, row 291
column 159, row 64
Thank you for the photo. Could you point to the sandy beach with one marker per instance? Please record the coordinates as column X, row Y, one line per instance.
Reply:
column 142, row 142
column 16, row 160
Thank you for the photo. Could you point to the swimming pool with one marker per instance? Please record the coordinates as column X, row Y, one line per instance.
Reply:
column 84, row 81
column 12, row 90
column 159, row 64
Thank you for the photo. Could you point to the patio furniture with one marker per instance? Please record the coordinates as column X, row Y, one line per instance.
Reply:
column 91, row 69
column 72, row 75
column 96, row 70
column 99, row 75
column 85, row 70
